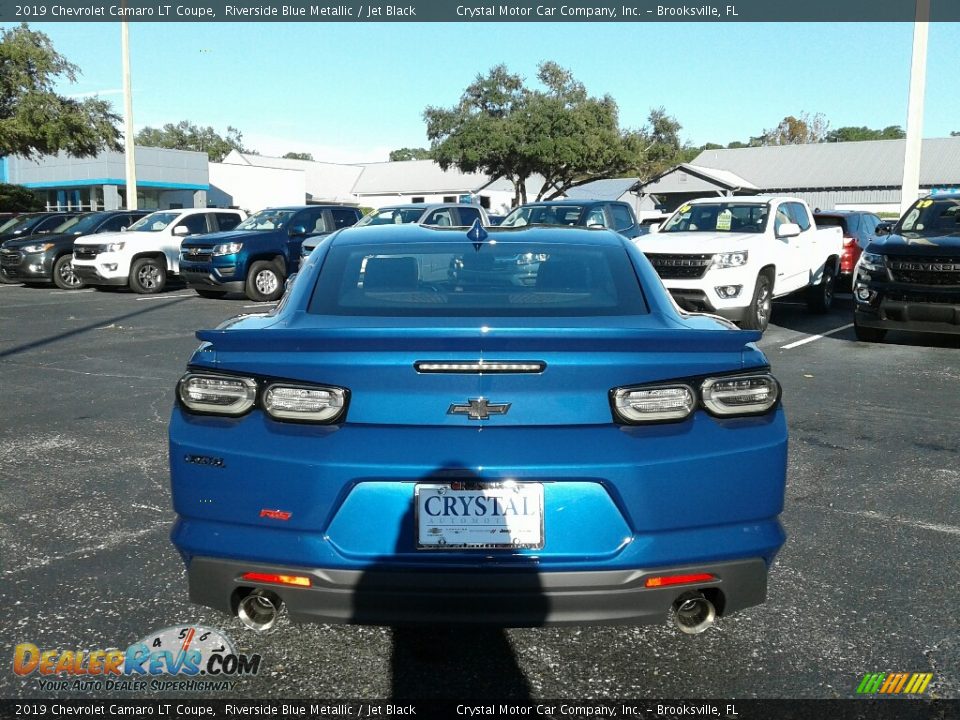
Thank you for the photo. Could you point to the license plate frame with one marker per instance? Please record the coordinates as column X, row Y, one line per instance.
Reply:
column 526, row 533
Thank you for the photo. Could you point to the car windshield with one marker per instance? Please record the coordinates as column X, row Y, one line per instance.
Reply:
column 155, row 222
column 391, row 216
column 931, row 218
column 80, row 224
column 544, row 215
column 267, row 220
column 455, row 279
column 17, row 223
column 719, row 217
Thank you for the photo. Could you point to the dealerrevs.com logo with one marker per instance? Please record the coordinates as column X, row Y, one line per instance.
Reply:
column 179, row 658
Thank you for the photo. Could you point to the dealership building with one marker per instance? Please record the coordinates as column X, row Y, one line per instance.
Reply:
column 165, row 179
column 855, row 175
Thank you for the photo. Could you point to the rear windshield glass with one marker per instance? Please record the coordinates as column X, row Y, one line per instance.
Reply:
column 830, row 221
column 719, row 217
column 544, row 215
column 453, row 279
column 391, row 216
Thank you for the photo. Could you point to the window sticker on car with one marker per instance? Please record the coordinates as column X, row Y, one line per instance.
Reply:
column 685, row 208
column 724, row 219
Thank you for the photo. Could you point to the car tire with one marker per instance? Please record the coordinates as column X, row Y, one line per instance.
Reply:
column 761, row 306
column 63, row 275
column 820, row 296
column 210, row 294
column 264, row 281
column 148, row 275
column 868, row 334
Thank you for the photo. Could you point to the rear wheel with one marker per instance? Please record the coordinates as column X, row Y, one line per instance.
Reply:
column 820, row 296
column 868, row 334
column 148, row 275
column 63, row 275
column 761, row 306
column 211, row 294
column 264, row 281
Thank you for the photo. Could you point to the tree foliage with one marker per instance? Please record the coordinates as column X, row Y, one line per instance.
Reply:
column 34, row 120
column 16, row 198
column 299, row 156
column 505, row 129
column 795, row 131
column 185, row 135
column 403, row 154
column 857, row 134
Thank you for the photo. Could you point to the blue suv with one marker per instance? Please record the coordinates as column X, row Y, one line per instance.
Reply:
column 260, row 253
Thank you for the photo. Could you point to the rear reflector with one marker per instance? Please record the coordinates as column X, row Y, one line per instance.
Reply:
column 295, row 580
column 665, row 580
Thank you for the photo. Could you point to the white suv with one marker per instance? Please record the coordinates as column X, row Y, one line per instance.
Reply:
column 149, row 250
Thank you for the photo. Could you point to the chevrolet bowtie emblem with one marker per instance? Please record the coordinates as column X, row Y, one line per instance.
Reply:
column 194, row 251
column 478, row 409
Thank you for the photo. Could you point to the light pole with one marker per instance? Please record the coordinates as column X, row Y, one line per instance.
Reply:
column 128, row 118
column 910, row 188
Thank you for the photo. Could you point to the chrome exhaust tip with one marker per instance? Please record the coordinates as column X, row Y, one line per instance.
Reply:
column 259, row 610
column 693, row 613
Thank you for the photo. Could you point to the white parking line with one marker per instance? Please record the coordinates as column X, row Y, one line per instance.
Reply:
column 810, row 339
column 260, row 304
column 168, row 297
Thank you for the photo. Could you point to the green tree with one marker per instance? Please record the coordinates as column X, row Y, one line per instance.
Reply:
column 298, row 156
column 185, row 135
column 505, row 129
column 34, row 120
column 404, row 154
column 857, row 134
column 795, row 131
column 955, row 133
column 16, row 198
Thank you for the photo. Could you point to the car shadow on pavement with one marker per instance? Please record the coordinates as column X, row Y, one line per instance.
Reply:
column 443, row 652
column 150, row 307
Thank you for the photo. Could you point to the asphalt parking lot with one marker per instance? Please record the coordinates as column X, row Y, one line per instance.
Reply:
column 866, row 583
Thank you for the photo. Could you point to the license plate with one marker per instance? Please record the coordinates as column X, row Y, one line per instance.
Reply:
column 462, row 515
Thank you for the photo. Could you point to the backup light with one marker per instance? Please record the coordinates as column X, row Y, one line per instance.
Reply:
column 217, row 394
column 297, row 402
column 666, row 403
column 294, row 580
column 666, row 580
column 741, row 395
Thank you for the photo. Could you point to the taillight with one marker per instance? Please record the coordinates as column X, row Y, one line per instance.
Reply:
column 303, row 402
column 665, row 403
column 273, row 579
column 727, row 396
column 217, row 394
column 665, row 580
column 741, row 395
column 849, row 241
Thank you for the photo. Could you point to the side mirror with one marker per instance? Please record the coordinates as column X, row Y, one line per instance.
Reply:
column 181, row 230
column 884, row 228
column 655, row 228
column 297, row 230
column 123, row 229
column 788, row 230
column 596, row 225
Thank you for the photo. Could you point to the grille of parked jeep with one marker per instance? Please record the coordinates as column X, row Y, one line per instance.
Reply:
column 87, row 252
column 196, row 254
column 925, row 270
column 680, row 267
column 10, row 257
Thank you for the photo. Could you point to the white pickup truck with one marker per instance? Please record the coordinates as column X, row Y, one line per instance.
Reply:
column 731, row 256
column 149, row 250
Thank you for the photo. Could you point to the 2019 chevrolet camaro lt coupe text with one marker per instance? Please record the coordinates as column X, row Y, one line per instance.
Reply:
column 401, row 443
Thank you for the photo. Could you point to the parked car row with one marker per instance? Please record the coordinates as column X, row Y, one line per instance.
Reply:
column 215, row 251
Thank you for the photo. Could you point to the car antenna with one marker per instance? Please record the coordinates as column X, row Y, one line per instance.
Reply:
column 477, row 234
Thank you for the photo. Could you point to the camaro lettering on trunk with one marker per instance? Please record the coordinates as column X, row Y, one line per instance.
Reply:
column 475, row 506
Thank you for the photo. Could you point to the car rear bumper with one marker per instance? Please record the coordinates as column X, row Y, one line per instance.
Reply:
column 519, row 597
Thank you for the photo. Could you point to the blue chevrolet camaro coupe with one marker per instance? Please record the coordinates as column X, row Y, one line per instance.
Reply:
column 414, row 435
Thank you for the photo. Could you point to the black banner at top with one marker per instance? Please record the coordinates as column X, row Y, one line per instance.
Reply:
column 479, row 11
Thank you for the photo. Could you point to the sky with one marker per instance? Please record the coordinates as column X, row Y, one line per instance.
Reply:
column 351, row 92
